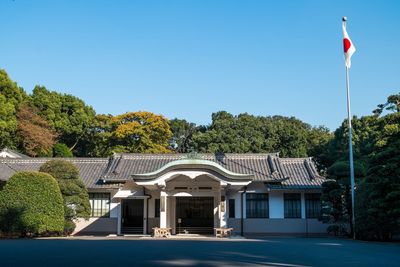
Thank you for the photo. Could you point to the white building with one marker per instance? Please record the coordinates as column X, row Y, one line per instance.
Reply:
column 194, row 193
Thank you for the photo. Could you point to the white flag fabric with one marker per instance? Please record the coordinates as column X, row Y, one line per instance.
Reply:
column 348, row 47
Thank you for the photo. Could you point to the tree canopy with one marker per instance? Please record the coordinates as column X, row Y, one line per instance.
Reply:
column 69, row 121
column 11, row 96
column 69, row 115
column 376, row 153
column 246, row 133
column 141, row 132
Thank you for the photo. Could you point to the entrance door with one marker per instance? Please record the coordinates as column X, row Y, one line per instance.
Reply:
column 132, row 216
column 194, row 215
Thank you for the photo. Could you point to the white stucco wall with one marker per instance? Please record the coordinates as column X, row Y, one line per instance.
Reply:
column 276, row 209
column 276, row 200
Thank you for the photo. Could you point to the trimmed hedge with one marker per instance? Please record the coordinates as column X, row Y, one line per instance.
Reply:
column 73, row 190
column 31, row 204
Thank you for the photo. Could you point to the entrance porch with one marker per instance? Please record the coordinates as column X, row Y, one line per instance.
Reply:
column 191, row 200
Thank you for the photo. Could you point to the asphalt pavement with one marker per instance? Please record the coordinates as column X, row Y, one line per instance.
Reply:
column 126, row 252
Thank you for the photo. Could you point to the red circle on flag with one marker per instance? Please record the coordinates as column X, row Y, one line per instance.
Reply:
column 346, row 44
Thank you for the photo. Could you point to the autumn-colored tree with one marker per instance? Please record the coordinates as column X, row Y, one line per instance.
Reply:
column 36, row 135
column 142, row 132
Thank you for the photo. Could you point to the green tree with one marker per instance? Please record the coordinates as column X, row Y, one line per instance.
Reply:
column 142, row 131
column 8, row 123
column 246, row 133
column 365, row 133
column 339, row 172
column 182, row 139
column 9, row 89
column 61, row 150
column 69, row 115
column 11, row 96
column 392, row 104
column 31, row 203
column 333, row 210
column 291, row 135
column 375, row 142
column 378, row 195
column 318, row 140
column 98, row 141
column 73, row 190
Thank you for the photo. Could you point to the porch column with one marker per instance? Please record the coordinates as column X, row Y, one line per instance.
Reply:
column 223, row 210
column 163, row 209
column 119, row 215
column 217, row 209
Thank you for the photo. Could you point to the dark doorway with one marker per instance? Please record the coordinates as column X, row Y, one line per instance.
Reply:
column 194, row 215
column 132, row 216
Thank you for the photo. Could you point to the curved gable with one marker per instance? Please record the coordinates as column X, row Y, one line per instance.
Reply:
column 191, row 164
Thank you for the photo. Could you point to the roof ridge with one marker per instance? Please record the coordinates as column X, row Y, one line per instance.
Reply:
column 31, row 160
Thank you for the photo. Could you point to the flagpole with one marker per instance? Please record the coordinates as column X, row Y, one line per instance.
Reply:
column 353, row 221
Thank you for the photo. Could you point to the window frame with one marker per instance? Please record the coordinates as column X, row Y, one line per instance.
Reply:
column 292, row 205
column 260, row 203
column 98, row 201
column 310, row 197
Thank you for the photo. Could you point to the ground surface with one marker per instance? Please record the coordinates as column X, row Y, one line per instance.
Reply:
column 126, row 252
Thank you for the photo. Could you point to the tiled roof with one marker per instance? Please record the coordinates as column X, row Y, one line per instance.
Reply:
column 285, row 172
column 124, row 165
column 301, row 173
column 90, row 169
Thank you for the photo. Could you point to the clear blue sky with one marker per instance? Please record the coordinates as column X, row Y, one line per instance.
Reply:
column 187, row 59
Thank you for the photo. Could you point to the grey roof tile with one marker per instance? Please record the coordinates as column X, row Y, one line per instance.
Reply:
column 287, row 172
column 90, row 169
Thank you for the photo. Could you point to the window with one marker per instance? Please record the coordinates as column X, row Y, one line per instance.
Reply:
column 231, row 208
column 292, row 205
column 100, row 204
column 157, row 208
column 313, row 205
column 257, row 205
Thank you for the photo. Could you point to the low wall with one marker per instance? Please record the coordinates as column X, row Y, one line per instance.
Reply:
column 278, row 226
column 96, row 226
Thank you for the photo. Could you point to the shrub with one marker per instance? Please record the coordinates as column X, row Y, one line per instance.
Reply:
column 69, row 227
column 61, row 150
column 73, row 190
column 31, row 204
column 333, row 229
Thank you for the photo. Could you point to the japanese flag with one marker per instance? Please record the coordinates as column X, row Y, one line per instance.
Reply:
column 348, row 46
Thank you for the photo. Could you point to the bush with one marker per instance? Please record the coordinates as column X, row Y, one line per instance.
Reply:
column 74, row 192
column 69, row 227
column 31, row 204
column 333, row 229
column 61, row 150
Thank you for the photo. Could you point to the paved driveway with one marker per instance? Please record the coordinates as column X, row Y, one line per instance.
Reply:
column 279, row 252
